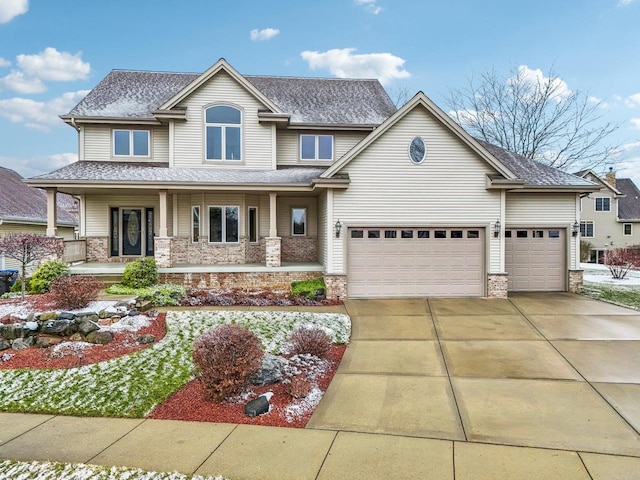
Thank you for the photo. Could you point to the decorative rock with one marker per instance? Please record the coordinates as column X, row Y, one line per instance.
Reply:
column 76, row 337
column 63, row 327
column 133, row 312
column 13, row 331
column 43, row 317
column 86, row 317
column 320, row 294
column 33, row 326
column 67, row 316
column 22, row 343
column 270, row 371
column 107, row 312
column 101, row 337
column 258, row 406
column 7, row 319
column 46, row 341
column 88, row 326
column 5, row 357
column 4, row 345
column 146, row 339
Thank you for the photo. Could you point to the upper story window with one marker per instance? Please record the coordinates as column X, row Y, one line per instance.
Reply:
column 586, row 229
column 316, row 147
column 223, row 131
column 603, row 204
column 131, row 143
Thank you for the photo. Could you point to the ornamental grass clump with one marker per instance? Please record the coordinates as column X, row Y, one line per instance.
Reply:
column 311, row 340
column 227, row 357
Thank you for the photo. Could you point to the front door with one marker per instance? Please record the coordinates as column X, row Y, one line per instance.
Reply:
column 132, row 231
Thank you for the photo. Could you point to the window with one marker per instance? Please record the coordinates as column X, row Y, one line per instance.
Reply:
column 316, row 147
column 473, row 234
column 298, row 221
column 223, row 126
column 357, row 234
column 223, row 224
column 440, row 234
column 390, row 234
column 538, row 234
column 603, row 204
column 522, row 234
column 627, row 229
column 456, row 233
column 407, row 233
column 507, row 234
column 586, row 229
column 554, row 233
column 417, row 150
column 195, row 223
column 253, row 224
column 373, row 233
column 131, row 143
column 423, row 233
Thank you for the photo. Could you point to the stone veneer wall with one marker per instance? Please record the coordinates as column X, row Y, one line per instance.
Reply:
column 497, row 285
column 336, row 286
column 299, row 249
column 575, row 281
column 273, row 252
column 248, row 280
column 256, row 252
column 98, row 251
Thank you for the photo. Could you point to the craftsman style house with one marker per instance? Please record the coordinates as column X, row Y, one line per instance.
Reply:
column 233, row 180
column 610, row 217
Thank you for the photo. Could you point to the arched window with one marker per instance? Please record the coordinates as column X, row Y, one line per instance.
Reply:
column 223, row 126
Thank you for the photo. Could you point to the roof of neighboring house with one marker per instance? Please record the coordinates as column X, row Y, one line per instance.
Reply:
column 335, row 101
column 629, row 205
column 21, row 203
column 162, row 173
column 534, row 173
column 594, row 177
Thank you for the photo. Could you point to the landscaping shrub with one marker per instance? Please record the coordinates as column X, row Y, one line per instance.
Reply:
column 308, row 288
column 161, row 295
column 313, row 341
column 585, row 250
column 17, row 286
column 75, row 291
column 227, row 357
column 141, row 273
column 46, row 273
column 297, row 387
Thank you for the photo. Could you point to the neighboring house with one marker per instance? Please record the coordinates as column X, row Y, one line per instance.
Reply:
column 610, row 217
column 23, row 209
column 232, row 180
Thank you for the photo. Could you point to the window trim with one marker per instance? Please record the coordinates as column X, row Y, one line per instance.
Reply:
column 602, row 209
column 131, row 142
column 193, row 209
column 586, row 224
column 306, row 221
column 624, row 229
column 316, row 147
column 223, row 134
column 257, row 240
column 223, row 232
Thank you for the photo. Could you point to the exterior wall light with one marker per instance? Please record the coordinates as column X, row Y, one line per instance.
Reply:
column 575, row 229
column 338, row 227
column 496, row 229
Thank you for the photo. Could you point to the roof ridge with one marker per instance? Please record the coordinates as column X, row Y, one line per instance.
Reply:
column 298, row 77
column 154, row 71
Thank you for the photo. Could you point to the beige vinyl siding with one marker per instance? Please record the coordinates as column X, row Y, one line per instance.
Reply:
column 288, row 144
column 257, row 140
column 97, row 211
column 10, row 228
column 323, row 229
column 284, row 206
column 387, row 189
column 98, row 146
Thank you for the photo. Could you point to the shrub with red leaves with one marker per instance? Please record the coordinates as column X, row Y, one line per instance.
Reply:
column 314, row 341
column 297, row 387
column 227, row 357
column 75, row 291
column 621, row 260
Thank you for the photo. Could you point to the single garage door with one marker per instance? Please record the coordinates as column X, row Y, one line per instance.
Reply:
column 412, row 262
column 535, row 259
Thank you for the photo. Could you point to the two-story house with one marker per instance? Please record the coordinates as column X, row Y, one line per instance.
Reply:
column 610, row 217
column 234, row 180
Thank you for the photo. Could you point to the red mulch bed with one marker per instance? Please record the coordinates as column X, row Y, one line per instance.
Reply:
column 189, row 402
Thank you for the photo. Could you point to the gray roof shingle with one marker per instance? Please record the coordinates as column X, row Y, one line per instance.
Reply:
column 21, row 203
column 136, row 94
column 629, row 205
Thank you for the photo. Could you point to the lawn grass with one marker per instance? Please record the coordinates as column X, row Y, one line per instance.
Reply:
column 618, row 294
column 130, row 386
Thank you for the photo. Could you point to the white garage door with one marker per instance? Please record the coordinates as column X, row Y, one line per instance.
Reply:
column 535, row 259
column 412, row 262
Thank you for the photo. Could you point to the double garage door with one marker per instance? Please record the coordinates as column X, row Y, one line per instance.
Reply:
column 535, row 259
column 410, row 262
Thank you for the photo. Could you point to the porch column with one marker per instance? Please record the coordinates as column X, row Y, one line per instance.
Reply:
column 273, row 253
column 52, row 209
column 162, row 243
column 162, row 229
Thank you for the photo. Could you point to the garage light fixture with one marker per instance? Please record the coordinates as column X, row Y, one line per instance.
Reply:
column 338, row 226
column 496, row 229
column 575, row 229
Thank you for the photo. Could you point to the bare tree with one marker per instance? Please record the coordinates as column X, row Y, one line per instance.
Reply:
column 399, row 95
column 26, row 248
column 535, row 116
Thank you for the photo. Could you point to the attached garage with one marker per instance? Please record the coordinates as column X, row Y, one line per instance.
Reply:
column 416, row 262
column 536, row 259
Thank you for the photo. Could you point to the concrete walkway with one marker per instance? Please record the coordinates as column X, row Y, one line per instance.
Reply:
column 540, row 386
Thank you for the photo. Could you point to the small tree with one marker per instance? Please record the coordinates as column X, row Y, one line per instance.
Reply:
column 621, row 260
column 26, row 248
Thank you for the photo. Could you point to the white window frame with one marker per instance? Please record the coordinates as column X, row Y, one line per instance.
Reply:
column 131, row 143
column 602, row 209
column 249, row 209
column 624, row 229
column 223, row 134
column 587, row 223
column 193, row 210
column 306, row 221
column 316, row 148
column 224, row 224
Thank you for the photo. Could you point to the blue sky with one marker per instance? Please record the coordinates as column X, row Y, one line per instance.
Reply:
column 53, row 52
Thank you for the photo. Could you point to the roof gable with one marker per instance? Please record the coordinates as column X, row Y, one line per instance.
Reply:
column 595, row 178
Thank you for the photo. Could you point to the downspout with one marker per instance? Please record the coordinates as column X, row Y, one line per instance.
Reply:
column 73, row 124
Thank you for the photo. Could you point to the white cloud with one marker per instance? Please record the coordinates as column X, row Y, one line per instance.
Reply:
column 39, row 115
column 32, row 166
column 21, row 83
column 50, row 64
column 343, row 63
column 9, row 9
column 624, row 3
column 369, row 5
column 536, row 77
column 264, row 34
column 4, row 62
column 598, row 101
column 633, row 100
column 636, row 123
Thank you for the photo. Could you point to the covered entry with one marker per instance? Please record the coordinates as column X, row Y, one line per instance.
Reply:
column 411, row 262
column 536, row 259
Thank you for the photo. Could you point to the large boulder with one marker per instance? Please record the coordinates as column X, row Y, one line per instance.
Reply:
column 46, row 341
column 101, row 337
column 88, row 326
column 13, row 331
column 4, row 344
column 22, row 343
column 62, row 327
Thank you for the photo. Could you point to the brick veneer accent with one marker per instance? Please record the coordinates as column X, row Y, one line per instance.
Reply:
column 497, row 285
column 274, row 255
column 299, row 249
column 248, row 280
column 336, row 286
column 162, row 251
column 575, row 281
